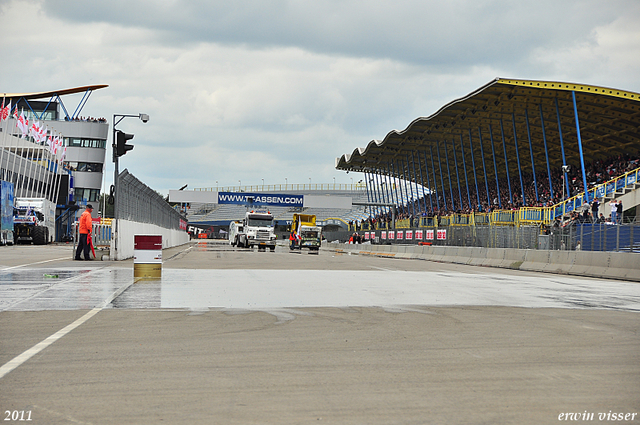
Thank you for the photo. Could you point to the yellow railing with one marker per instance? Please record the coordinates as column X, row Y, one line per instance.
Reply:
column 531, row 215
column 481, row 218
column 504, row 218
column 404, row 223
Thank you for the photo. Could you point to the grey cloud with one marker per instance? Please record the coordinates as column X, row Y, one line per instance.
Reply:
column 456, row 33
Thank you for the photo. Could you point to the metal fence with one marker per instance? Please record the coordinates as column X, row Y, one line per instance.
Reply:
column 138, row 202
column 581, row 236
column 596, row 237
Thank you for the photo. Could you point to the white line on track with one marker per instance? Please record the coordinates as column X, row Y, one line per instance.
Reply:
column 21, row 358
column 31, row 264
column 381, row 268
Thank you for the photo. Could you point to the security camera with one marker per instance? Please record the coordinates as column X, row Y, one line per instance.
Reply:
column 144, row 117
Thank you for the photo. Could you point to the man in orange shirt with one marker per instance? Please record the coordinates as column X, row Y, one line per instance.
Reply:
column 84, row 228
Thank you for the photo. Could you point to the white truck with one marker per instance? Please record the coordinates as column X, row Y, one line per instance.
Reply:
column 256, row 229
column 35, row 221
column 235, row 230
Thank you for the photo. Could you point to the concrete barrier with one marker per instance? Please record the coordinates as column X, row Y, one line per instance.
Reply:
column 127, row 230
column 616, row 265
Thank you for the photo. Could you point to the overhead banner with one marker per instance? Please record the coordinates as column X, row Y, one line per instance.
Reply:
column 272, row 200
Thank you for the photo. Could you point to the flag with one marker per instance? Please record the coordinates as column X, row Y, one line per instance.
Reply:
column 34, row 130
column 23, row 124
column 4, row 112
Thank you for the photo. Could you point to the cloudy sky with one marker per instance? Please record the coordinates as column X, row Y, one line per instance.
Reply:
column 278, row 89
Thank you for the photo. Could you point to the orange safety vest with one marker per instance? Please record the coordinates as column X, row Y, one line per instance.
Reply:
column 85, row 223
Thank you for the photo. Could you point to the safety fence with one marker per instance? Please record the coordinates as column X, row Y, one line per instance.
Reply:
column 139, row 203
column 593, row 237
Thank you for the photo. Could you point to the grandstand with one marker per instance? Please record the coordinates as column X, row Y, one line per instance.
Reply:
column 510, row 144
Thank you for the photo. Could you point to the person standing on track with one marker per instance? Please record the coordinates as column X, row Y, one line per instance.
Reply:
column 84, row 228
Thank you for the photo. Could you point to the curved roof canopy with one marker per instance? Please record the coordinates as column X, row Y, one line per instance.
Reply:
column 540, row 113
column 48, row 94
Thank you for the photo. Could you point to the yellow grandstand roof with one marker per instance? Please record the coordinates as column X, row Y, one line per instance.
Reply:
column 609, row 125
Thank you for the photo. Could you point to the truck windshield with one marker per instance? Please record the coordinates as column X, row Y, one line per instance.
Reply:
column 310, row 234
column 259, row 222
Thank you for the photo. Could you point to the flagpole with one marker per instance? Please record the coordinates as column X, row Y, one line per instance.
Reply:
column 59, row 177
column 4, row 138
column 13, row 166
column 28, row 172
column 42, row 169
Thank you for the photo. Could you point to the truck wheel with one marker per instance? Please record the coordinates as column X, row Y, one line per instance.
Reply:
column 46, row 236
column 38, row 235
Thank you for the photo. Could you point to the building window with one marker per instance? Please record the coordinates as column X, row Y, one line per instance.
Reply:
column 94, row 167
column 85, row 143
column 86, row 195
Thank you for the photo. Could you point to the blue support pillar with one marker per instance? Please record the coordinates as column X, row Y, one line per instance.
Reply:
column 380, row 191
column 495, row 166
column 473, row 164
column 444, row 191
column 466, row 179
column 366, row 183
column 399, row 191
column 446, row 156
column 404, row 179
column 506, row 161
column 435, row 182
column 393, row 188
column 426, row 171
column 546, row 152
column 376, row 192
column 387, row 186
column 564, row 160
column 484, row 168
column 415, row 176
column 515, row 140
column 413, row 201
column 455, row 161
column 533, row 166
column 584, row 174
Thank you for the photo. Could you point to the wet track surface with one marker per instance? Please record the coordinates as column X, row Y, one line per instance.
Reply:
column 380, row 282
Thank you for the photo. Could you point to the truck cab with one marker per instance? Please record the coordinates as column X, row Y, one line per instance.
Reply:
column 305, row 233
column 256, row 229
column 34, row 221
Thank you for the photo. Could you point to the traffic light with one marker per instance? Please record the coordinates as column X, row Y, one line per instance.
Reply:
column 121, row 143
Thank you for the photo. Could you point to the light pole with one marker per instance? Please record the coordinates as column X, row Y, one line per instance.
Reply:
column 144, row 118
column 239, row 185
column 262, row 185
